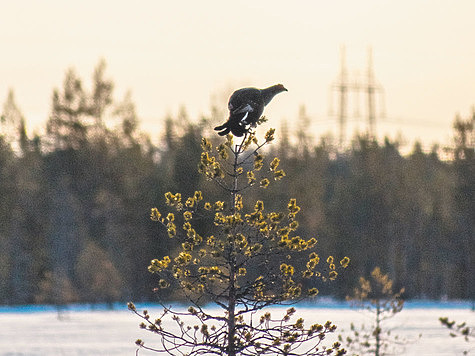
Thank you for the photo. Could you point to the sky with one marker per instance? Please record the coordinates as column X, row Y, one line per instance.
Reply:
column 171, row 54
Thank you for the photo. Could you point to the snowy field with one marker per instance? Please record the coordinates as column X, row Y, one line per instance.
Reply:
column 38, row 331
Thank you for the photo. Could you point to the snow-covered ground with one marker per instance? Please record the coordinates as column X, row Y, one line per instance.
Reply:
column 38, row 331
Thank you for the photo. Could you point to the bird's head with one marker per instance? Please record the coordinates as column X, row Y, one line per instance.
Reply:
column 279, row 88
column 269, row 93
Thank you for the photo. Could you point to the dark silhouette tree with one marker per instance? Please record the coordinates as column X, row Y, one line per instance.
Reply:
column 464, row 167
column 12, row 123
column 99, row 279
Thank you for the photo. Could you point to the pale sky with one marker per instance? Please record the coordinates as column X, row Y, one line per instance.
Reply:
column 174, row 53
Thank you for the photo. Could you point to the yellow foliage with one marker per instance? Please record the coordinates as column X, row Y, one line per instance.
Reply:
column 269, row 135
column 187, row 215
column 274, row 164
column 155, row 214
column 205, row 144
column 264, row 183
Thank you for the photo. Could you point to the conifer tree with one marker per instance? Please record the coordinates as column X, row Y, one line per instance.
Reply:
column 12, row 122
column 252, row 259
column 375, row 295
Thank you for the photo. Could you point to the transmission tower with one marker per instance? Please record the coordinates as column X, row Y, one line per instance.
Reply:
column 346, row 84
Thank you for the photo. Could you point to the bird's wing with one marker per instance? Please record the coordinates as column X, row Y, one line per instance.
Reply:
column 244, row 108
column 243, row 97
column 245, row 117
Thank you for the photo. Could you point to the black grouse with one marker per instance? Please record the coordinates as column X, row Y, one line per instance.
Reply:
column 246, row 107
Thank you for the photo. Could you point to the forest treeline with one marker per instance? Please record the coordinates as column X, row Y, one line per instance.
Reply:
column 75, row 201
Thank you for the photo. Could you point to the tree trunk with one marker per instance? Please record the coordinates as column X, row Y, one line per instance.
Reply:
column 232, row 265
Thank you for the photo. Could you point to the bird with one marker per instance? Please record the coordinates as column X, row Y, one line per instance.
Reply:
column 246, row 106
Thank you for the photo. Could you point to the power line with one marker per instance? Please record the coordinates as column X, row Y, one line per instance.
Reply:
column 346, row 84
column 413, row 122
column 387, row 120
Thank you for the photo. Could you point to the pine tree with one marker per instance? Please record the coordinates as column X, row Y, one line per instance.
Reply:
column 375, row 295
column 77, row 114
column 251, row 259
column 12, row 123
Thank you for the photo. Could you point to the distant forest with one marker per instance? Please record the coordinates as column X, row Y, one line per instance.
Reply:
column 75, row 202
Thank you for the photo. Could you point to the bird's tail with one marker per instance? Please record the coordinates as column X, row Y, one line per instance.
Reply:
column 221, row 127
column 230, row 126
column 237, row 129
column 224, row 128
